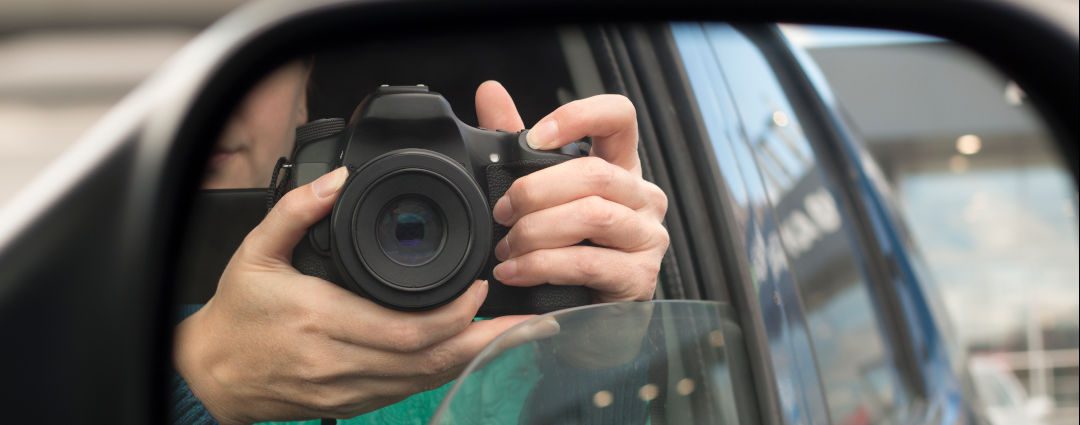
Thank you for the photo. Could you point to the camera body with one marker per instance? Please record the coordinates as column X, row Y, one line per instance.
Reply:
column 412, row 227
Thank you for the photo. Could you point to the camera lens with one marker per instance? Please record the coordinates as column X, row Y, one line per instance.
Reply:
column 411, row 230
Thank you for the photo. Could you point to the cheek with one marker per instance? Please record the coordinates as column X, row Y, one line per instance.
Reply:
column 270, row 114
column 272, row 137
column 264, row 156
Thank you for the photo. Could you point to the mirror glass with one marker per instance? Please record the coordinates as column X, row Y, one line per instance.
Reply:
column 346, row 303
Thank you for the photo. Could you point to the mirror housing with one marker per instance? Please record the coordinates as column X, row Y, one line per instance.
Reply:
column 86, row 315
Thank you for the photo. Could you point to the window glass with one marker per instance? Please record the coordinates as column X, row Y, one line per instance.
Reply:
column 976, row 182
column 663, row 362
column 818, row 310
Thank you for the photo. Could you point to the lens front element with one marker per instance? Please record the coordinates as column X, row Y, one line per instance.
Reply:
column 411, row 230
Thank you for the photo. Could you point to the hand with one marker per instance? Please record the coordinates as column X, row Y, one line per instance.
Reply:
column 601, row 198
column 273, row 344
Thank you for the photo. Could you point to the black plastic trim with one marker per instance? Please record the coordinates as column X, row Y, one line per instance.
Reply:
column 704, row 198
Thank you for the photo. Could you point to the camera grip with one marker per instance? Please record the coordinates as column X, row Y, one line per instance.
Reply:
column 505, row 300
column 307, row 259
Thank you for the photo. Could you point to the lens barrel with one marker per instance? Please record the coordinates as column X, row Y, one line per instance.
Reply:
column 411, row 229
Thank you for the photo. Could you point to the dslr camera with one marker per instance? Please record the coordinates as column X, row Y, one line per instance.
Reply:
column 412, row 228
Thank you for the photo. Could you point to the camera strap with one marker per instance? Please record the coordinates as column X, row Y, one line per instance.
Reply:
column 277, row 182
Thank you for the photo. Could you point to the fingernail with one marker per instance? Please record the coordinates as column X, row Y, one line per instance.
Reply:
column 481, row 292
column 552, row 325
column 543, row 328
column 502, row 250
column 543, row 135
column 505, row 270
column 503, row 211
column 329, row 183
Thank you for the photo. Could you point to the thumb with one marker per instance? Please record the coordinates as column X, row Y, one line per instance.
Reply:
column 495, row 108
column 290, row 219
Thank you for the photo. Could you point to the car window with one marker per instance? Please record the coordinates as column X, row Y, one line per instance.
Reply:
column 660, row 362
column 828, row 342
column 976, row 181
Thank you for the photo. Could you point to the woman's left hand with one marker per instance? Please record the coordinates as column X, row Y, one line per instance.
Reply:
column 601, row 198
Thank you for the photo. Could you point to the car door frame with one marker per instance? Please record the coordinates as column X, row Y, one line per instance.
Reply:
column 644, row 65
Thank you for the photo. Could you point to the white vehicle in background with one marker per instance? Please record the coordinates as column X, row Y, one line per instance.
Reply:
column 1004, row 398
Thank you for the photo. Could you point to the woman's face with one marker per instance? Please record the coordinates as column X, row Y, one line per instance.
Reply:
column 260, row 131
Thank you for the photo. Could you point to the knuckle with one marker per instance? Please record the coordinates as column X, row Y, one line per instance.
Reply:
column 648, row 272
column 577, row 108
column 522, row 193
column 528, row 264
column 308, row 321
column 657, row 198
column 525, row 229
column 662, row 238
column 623, row 110
column 308, row 310
column 601, row 214
column 597, row 172
column 587, row 269
column 624, row 104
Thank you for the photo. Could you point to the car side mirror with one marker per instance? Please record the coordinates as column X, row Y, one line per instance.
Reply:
column 88, row 251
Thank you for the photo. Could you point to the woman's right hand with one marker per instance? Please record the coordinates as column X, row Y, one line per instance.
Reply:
column 274, row 344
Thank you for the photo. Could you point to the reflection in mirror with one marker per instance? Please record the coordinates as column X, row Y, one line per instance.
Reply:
column 374, row 216
column 357, row 216
column 984, row 196
column 260, row 130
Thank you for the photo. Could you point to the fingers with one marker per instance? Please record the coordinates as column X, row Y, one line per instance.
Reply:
column 592, row 218
column 495, row 108
column 610, row 120
column 405, row 375
column 575, row 179
column 462, row 348
column 615, row 275
column 276, row 236
column 440, row 362
column 359, row 321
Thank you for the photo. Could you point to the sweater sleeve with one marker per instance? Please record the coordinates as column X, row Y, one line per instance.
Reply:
column 185, row 408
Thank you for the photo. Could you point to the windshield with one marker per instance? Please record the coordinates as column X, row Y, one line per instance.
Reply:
column 662, row 362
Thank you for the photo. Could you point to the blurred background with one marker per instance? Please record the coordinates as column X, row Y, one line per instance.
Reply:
column 65, row 62
column 987, row 203
column 984, row 198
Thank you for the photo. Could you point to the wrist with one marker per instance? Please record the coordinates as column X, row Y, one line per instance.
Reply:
column 195, row 364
